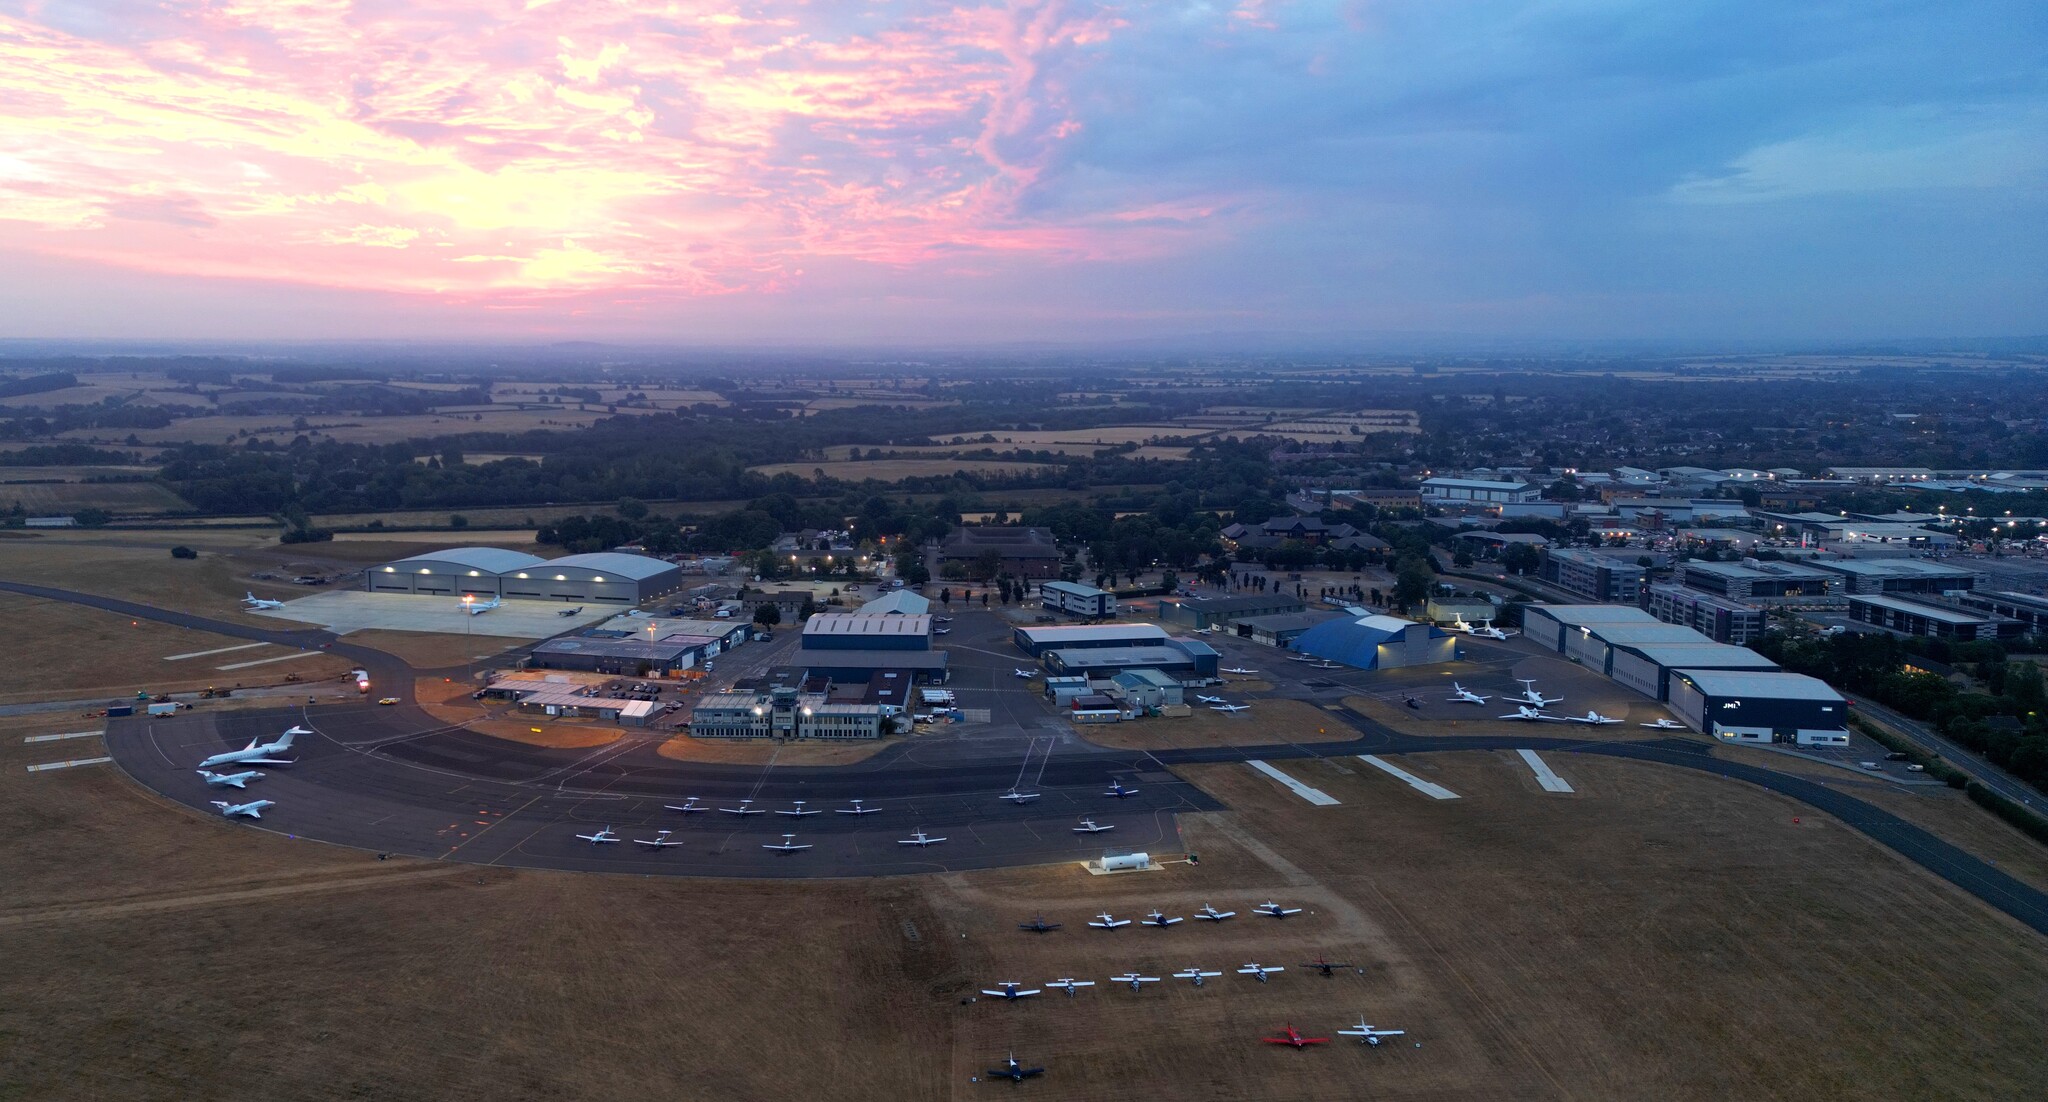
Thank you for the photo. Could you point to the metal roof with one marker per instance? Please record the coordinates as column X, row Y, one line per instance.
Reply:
column 901, row 602
column 618, row 648
column 1055, row 635
column 1578, row 615
column 488, row 560
column 1704, row 656
column 1660, row 632
column 873, row 659
column 1931, row 612
column 1122, row 657
column 1075, row 588
column 1778, row 686
column 849, row 623
column 636, row 567
column 1287, row 621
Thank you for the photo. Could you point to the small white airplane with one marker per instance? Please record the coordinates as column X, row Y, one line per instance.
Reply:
column 919, row 838
column 1067, row 984
column 1208, row 699
column 942, row 619
column 798, row 811
column 1275, row 910
column 746, row 808
column 1117, row 790
column 1368, row 1035
column 1230, row 709
column 1211, row 914
column 1010, row 990
column 1159, row 920
column 942, row 631
column 258, row 753
column 1134, row 980
column 1206, row 631
column 1462, row 695
column 577, row 611
column 478, row 608
column 600, row 838
column 1664, row 725
column 787, row 845
column 1594, row 718
column 1107, row 921
column 1259, row 971
column 1017, row 797
column 253, row 809
column 1195, row 974
column 1328, row 666
column 856, row 809
column 1090, row 826
column 1533, row 715
column 1459, row 625
column 688, row 805
column 1491, row 632
column 1530, row 695
column 659, row 840
column 1238, row 670
column 1023, row 675
column 256, row 603
column 230, row 780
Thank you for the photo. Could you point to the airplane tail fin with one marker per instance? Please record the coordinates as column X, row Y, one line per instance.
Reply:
column 284, row 741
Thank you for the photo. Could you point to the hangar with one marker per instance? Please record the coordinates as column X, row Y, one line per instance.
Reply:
column 1208, row 613
column 1175, row 659
column 1035, row 641
column 1760, row 707
column 1592, row 645
column 494, row 572
column 1647, row 667
column 1547, row 624
column 1378, row 643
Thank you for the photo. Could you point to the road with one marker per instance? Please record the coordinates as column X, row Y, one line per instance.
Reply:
column 1991, row 776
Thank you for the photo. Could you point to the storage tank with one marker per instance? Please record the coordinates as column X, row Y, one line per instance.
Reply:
column 1126, row 862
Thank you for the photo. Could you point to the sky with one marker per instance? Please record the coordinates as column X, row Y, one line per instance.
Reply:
column 1042, row 170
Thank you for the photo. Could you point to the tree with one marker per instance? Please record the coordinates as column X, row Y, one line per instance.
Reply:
column 92, row 518
column 632, row 508
column 767, row 615
column 1412, row 579
column 1461, row 558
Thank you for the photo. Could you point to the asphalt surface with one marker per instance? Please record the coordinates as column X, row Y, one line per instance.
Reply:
column 391, row 779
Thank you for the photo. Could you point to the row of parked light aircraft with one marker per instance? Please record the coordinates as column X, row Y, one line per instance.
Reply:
column 1012, row 990
column 1208, row 913
column 1016, row 1072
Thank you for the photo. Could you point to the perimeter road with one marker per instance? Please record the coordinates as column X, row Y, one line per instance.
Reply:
column 1545, row 776
column 1427, row 788
column 1315, row 796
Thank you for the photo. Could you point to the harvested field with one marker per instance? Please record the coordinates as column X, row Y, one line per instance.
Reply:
column 519, row 538
column 50, row 498
column 893, row 470
column 354, row 430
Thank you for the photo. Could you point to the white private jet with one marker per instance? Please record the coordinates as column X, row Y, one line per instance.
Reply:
column 1533, row 715
column 1664, row 725
column 942, row 631
column 1230, row 709
column 1090, row 826
column 258, row 753
column 1594, row 718
column 253, row 809
column 787, row 845
column 230, row 780
column 1196, row 974
column 1462, row 695
column 1238, row 670
column 1368, row 1035
column 1206, row 631
column 1259, row 971
column 1107, row 921
column 746, row 808
column 1117, row 790
column 856, row 809
column 688, row 805
column 1010, row 990
column 1531, row 696
column 1158, row 919
column 1068, row 983
column 253, row 603
column 659, row 840
column 1491, row 632
column 798, row 812
column 1211, row 914
column 1017, row 797
column 600, row 838
column 1208, row 699
column 1023, row 675
column 1134, row 980
column 919, row 838
column 478, row 608
column 1275, row 910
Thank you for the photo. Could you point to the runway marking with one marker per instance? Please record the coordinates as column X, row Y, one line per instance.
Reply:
column 70, row 734
column 1545, row 776
column 68, row 764
column 204, row 653
column 1427, row 788
column 502, row 818
column 1315, row 796
column 267, row 661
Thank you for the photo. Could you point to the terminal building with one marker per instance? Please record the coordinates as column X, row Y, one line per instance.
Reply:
column 1077, row 599
column 1210, row 613
column 1760, row 707
column 783, row 713
column 493, row 572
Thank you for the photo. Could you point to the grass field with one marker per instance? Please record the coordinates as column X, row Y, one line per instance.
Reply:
column 1267, row 722
column 137, row 566
column 895, row 470
column 115, row 497
column 1106, row 435
column 354, row 430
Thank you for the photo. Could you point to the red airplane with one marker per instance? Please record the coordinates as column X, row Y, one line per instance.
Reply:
column 1296, row 1039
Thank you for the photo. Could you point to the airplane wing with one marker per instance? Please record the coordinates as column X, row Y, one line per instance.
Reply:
column 266, row 761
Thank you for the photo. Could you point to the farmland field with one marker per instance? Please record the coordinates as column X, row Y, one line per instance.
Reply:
column 352, row 430
column 893, row 470
column 115, row 497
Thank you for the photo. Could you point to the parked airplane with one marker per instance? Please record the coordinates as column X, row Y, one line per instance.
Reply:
column 577, row 611
column 1107, row 921
column 1159, row 920
column 600, row 837
column 1275, row 910
column 1533, row 715
column 1664, row 725
column 253, row 809
column 1368, row 1035
column 659, row 840
column 856, row 809
column 787, row 846
column 942, row 619
column 1211, row 914
column 1491, row 632
column 1463, row 695
column 798, row 811
column 1208, row 699
column 1205, row 631
column 230, row 780
column 942, row 631
column 1017, row 797
column 1014, row 1071
column 1090, row 826
column 256, row 603
column 1594, row 718
column 1024, row 675
column 1238, row 670
column 1195, row 974
column 1010, row 991
column 746, row 808
column 1530, row 695
column 1328, row 666
column 1134, row 980
column 1232, row 709
column 1325, row 967
column 1039, row 925
column 1294, row 1038
column 919, row 838
column 1117, row 790
column 258, row 753
column 478, row 608
column 690, row 804
column 1066, row 984
column 1259, row 971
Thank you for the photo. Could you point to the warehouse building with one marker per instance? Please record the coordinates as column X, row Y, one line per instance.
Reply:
column 1647, row 667
column 1209, row 613
column 1549, row 624
column 1146, row 688
column 1936, row 621
column 865, row 666
column 493, row 572
column 1463, row 491
column 622, row 657
column 1718, row 618
column 1759, row 580
column 1377, row 642
column 2031, row 611
column 1896, row 576
column 1037, row 640
column 1077, row 599
column 1760, row 707
column 852, row 631
column 1593, row 646
column 1593, row 575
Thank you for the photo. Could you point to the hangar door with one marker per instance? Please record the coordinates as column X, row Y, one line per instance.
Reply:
column 1638, row 673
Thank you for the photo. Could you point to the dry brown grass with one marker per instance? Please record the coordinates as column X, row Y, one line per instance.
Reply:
column 1269, row 721
column 433, row 651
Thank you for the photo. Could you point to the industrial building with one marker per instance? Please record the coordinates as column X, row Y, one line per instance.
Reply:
column 1377, row 642
column 1077, row 599
column 642, row 646
column 1549, row 624
column 1593, row 575
column 784, row 713
column 1593, row 646
column 1896, row 576
column 2030, row 610
column 1937, row 621
column 1465, row 491
column 901, row 602
column 1185, row 660
column 852, row 631
column 1718, row 618
column 1018, row 552
column 1037, row 640
column 608, row 577
column 1760, row 707
column 1281, row 629
column 1647, row 667
column 1147, row 688
column 1758, row 580
column 1208, row 613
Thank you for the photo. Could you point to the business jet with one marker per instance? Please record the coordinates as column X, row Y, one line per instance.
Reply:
column 1275, row 910
column 1208, row 699
column 1205, row 631
column 1107, row 921
column 478, row 608
column 1325, row 967
column 1211, row 914
column 1230, row 709
column 230, row 780
column 1293, row 1038
column 787, row 845
column 1594, row 718
column 577, row 611
column 686, row 806
column 1159, row 920
column 1368, row 1035
column 942, row 631
column 600, row 838
column 1010, row 991
column 1014, row 1071
column 919, row 838
column 1462, row 695
column 659, row 840
column 252, row 809
column 942, row 619
column 1533, row 715
column 798, row 811
column 1017, row 797
column 1089, row 826
column 1531, row 696
column 1664, row 725
column 1117, row 790
column 1195, row 974
column 1459, row 625
column 1024, row 675
column 1259, row 971
column 1038, row 925
column 746, row 808
column 1068, row 984
column 1134, row 980
column 856, row 809
column 1238, row 670
column 258, row 753
column 1491, row 632
column 252, row 603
